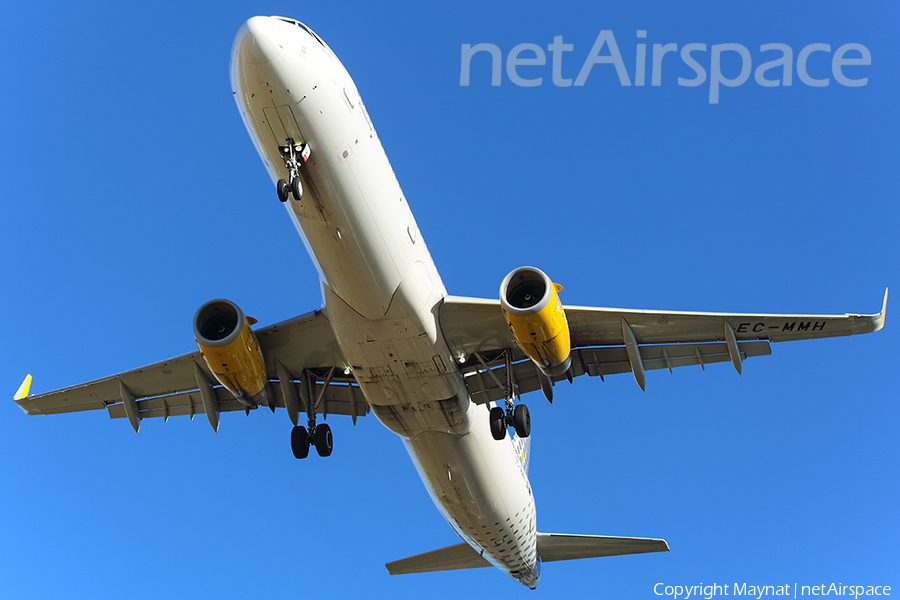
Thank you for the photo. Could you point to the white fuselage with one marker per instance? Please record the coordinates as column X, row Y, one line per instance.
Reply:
column 380, row 286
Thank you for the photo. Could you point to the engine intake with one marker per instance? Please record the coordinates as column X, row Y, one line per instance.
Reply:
column 231, row 351
column 536, row 319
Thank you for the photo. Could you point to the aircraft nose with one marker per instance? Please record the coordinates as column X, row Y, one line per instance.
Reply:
column 253, row 43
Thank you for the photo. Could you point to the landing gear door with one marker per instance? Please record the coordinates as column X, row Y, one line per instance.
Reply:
column 283, row 124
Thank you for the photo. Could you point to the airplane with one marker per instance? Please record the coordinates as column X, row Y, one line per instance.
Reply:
column 444, row 373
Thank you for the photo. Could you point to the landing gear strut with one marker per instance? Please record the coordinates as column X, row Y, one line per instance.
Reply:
column 509, row 414
column 302, row 437
column 294, row 156
column 517, row 416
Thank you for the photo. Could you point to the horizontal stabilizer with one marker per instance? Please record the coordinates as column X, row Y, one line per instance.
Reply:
column 551, row 547
column 460, row 556
column 560, row 546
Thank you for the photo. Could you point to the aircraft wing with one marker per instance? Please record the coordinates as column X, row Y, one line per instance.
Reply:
column 606, row 341
column 300, row 351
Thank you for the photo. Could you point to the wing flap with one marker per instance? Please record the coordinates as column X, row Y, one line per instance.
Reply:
column 336, row 400
column 488, row 384
column 185, row 403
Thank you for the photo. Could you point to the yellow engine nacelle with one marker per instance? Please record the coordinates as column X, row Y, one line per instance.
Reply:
column 531, row 306
column 231, row 350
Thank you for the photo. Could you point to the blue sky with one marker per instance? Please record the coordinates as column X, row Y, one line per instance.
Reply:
column 132, row 194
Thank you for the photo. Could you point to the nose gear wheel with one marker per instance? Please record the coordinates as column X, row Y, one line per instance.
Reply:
column 294, row 156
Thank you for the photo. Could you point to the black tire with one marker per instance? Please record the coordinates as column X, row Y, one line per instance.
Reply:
column 522, row 421
column 283, row 190
column 498, row 423
column 300, row 441
column 324, row 441
column 297, row 188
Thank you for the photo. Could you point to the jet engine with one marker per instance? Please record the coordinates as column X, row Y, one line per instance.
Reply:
column 231, row 350
column 531, row 306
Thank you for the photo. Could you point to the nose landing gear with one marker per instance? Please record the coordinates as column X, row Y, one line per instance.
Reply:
column 294, row 156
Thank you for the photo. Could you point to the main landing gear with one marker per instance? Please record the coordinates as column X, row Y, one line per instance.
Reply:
column 314, row 435
column 294, row 156
column 302, row 437
column 517, row 416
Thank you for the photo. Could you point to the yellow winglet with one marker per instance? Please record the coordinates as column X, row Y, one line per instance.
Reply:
column 23, row 389
column 883, row 308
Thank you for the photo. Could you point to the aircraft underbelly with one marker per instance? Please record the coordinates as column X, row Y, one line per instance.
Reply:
column 401, row 360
